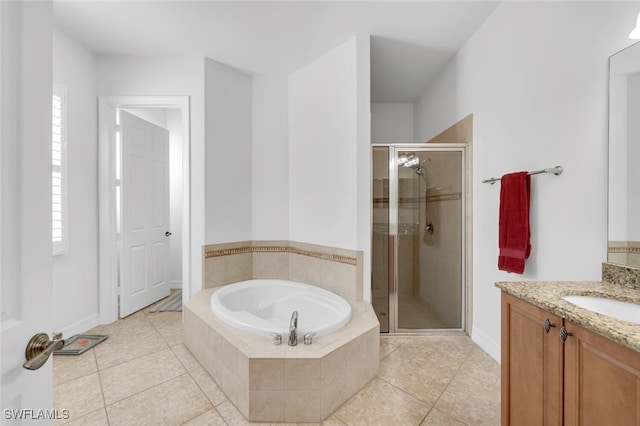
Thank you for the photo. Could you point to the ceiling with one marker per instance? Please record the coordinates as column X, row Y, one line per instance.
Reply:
column 411, row 41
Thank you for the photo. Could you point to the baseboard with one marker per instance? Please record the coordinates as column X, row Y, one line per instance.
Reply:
column 486, row 343
column 81, row 327
column 175, row 284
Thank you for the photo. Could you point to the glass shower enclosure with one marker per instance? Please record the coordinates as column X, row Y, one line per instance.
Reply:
column 418, row 237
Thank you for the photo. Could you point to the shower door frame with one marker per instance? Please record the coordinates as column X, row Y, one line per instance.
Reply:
column 394, row 150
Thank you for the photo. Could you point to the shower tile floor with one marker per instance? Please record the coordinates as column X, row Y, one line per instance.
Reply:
column 144, row 375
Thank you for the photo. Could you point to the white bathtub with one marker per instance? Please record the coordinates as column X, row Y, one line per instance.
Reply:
column 266, row 305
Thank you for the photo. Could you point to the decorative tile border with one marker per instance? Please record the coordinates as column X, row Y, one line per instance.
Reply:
column 281, row 249
column 227, row 252
column 432, row 198
column 624, row 249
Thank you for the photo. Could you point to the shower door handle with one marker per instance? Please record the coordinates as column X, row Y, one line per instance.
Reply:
column 392, row 264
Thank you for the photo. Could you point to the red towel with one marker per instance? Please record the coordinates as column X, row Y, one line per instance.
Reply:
column 514, row 229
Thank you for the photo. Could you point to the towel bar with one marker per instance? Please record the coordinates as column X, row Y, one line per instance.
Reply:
column 557, row 170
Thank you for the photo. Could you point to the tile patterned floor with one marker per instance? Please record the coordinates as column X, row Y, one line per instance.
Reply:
column 144, row 375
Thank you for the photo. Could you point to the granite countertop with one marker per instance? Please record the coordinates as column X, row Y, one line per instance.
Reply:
column 548, row 295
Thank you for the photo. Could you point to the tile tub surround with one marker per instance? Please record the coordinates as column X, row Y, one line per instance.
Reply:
column 548, row 296
column 282, row 383
column 334, row 269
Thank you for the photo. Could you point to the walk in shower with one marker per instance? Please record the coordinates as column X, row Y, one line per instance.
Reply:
column 418, row 265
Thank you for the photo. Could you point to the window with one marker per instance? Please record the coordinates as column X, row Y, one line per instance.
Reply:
column 59, row 228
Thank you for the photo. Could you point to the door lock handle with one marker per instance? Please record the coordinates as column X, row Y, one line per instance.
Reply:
column 40, row 348
column 166, row 234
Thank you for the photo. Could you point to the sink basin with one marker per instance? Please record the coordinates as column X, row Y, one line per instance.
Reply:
column 624, row 311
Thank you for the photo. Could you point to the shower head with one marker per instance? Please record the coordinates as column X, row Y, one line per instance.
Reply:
column 411, row 161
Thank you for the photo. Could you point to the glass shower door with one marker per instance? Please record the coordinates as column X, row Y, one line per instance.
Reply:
column 380, row 237
column 418, row 238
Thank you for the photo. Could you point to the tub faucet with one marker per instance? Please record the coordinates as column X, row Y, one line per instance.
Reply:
column 293, row 325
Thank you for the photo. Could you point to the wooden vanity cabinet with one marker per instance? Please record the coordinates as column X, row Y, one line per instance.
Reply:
column 587, row 380
column 531, row 364
column 601, row 380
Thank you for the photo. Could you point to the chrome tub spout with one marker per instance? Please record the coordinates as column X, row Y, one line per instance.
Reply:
column 293, row 329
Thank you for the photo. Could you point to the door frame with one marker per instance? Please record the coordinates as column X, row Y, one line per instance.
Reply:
column 108, row 246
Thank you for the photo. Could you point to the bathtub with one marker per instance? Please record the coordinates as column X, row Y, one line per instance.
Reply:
column 266, row 305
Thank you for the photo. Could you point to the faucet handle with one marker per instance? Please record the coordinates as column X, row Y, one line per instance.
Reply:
column 308, row 338
column 277, row 338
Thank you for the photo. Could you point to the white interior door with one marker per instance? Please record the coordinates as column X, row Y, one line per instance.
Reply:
column 25, row 197
column 145, row 234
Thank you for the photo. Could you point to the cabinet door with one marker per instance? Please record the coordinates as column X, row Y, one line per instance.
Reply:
column 531, row 365
column 602, row 380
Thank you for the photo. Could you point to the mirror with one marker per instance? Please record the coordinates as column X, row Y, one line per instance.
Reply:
column 624, row 157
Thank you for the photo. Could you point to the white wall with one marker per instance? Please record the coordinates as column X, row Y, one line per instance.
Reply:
column 322, row 150
column 437, row 108
column 227, row 154
column 75, row 274
column 171, row 77
column 364, row 159
column 270, row 158
column 330, row 152
column 392, row 123
column 535, row 77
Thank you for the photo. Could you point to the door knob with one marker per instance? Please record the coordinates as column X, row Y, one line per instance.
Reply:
column 166, row 234
column 40, row 348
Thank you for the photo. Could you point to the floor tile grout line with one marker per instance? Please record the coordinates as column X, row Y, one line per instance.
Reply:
column 145, row 390
column 196, row 416
column 104, row 402
column 447, row 387
column 220, row 414
column 202, row 390
column 406, row 392
column 138, row 357
column 130, row 360
column 150, row 387
column 442, row 393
